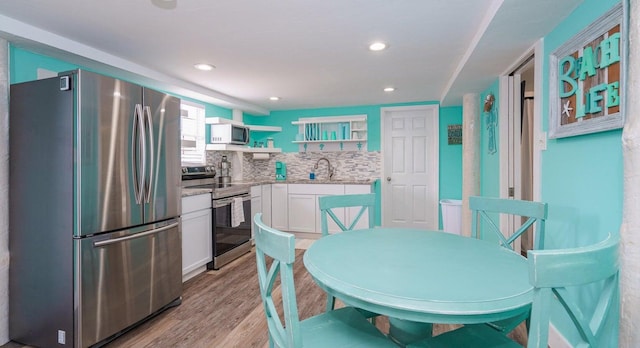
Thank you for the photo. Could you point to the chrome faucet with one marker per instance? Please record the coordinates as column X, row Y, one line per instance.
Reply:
column 328, row 163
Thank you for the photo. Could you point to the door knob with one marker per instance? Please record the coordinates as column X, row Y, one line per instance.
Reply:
column 388, row 178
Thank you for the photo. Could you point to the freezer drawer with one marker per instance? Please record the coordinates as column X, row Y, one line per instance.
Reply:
column 126, row 276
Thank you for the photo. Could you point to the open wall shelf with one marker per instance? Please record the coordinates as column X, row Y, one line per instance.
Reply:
column 339, row 133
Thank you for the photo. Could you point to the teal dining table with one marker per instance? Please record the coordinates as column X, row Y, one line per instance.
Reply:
column 421, row 276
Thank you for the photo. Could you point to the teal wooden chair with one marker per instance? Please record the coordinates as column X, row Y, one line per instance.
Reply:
column 482, row 207
column 552, row 273
column 344, row 327
column 366, row 202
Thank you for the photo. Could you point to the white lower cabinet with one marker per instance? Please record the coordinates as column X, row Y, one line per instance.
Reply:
column 302, row 213
column 352, row 213
column 279, row 207
column 196, row 234
column 295, row 207
column 333, row 227
column 256, row 207
column 265, row 191
column 260, row 203
column 304, row 209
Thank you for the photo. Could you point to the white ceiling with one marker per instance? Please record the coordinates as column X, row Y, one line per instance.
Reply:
column 310, row 53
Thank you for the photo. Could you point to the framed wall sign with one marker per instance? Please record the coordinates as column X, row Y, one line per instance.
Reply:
column 454, row 134
column 586, row 79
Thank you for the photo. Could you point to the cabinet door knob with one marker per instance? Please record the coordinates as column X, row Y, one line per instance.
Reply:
column 388, row 178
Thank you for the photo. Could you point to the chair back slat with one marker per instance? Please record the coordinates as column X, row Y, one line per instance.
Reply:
column 552, row 271
column 591, row 270
column 521, row 230
column 336, row 220
column 509, row 206
column 279, row 246
column 535, row 212
column 366, row 202
column 358, row 216
column 571, row 267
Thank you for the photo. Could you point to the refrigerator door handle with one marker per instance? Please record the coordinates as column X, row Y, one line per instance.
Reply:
column 149, row 179
column 134, row 236
column 136, row 153
column 143, row 153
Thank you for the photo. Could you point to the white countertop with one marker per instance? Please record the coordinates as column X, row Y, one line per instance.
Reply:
column 198, row 191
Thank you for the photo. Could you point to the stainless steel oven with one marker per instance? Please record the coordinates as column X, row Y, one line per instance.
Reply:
column 229, row 241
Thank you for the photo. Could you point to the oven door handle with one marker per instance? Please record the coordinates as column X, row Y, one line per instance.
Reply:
column 223, row 202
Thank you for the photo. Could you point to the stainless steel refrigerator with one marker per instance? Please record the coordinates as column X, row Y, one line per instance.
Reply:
column 94, row 233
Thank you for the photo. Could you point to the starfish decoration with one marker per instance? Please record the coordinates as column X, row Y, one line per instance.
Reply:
column 566, row 108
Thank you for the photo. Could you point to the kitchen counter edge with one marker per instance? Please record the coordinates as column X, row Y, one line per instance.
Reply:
column 186, row 192
column 307, row 181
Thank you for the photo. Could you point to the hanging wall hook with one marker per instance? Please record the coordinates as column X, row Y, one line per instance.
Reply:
column 488, row 102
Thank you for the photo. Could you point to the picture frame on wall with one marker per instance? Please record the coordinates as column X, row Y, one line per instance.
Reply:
column 587, row 78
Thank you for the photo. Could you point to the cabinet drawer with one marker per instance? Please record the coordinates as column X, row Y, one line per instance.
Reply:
column 194, row 203
column 357, row 189
column 316, row 189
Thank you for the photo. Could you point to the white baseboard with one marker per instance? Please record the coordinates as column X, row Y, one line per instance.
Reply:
column 556, row 340
column 194, row 273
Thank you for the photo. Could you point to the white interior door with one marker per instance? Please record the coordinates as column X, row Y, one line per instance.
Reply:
column 513, row 121
column 517, row 176
column 410, row 166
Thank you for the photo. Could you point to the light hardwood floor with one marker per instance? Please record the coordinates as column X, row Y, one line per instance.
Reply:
column 223, row 309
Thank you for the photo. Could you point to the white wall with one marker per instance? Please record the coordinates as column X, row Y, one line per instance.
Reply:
column 630, row 229
column 4, row 191
column 471, row 125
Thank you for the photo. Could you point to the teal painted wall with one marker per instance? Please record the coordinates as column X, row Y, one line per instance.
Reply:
column 489, row 162
column 582, row 176
column 284, row 118
column 450, row 185
column 23, row 66
column 450, row 155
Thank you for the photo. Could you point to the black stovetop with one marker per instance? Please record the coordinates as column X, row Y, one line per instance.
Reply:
column 198, row 172
column 204, row 177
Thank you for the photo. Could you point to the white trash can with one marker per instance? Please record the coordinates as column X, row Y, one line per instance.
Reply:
column 451, row 215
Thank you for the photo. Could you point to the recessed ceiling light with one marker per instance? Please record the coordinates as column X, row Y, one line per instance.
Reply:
column 274, row 98
column 389, row 89
column 204, row 66
column 377, row 46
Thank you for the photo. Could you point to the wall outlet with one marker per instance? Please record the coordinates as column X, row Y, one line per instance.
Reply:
column 543, row 141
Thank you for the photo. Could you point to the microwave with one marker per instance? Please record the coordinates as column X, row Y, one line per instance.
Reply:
column 225, row 133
